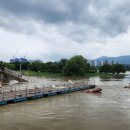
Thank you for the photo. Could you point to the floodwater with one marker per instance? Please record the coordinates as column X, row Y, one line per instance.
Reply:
column 108, row 110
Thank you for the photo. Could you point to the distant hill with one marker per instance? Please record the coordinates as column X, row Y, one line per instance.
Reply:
column 121, row 59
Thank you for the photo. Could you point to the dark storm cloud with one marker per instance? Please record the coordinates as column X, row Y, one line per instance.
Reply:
column 108, row 17
column 48, row 11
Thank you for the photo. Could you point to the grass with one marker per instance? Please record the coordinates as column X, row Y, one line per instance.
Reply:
column 47, row 74
column 110, row 75
column 39, row 74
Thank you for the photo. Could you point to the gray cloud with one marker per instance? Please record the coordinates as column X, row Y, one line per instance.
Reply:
column 110, row 17
column 59, row 22
column 53, row 11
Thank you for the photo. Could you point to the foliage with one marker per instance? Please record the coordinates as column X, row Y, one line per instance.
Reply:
column 93, row 69
column 62, row 64
column 105, row 68
column 35, row 66
column 2, row 64
column 127, row 67
column 117, row 68
column 77, row 65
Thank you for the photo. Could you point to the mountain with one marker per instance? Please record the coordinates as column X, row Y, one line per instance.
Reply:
column 121, row 59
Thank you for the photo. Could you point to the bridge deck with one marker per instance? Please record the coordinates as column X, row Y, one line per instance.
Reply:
column 12, row 75
column 35, row 93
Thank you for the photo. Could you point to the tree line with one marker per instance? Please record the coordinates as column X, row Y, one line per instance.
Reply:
column 77, row 65
column 115, row 68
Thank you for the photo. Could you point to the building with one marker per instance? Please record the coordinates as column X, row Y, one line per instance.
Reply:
column 24, row 60
column 18, row 60
column 37, row 60
column 102, row 62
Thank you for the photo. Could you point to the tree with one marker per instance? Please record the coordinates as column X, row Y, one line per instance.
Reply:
column 93, row 69
column 47, row 66
column 35, row 66
column 105, row 68
column 77, row 65
column 118, row 68
column 17, row 65
column 54, row 68
column 10, row 66
column 2, row 64
column 62, row 64
column 25, row 65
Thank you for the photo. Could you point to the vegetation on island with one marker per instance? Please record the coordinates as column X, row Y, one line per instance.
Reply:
column 75, row 66
column 114, row 69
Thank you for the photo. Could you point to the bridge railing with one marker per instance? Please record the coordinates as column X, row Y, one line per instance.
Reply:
column 14, row 74
column 17, row 74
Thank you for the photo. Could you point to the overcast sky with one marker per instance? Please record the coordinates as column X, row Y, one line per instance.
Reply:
column 55, row 29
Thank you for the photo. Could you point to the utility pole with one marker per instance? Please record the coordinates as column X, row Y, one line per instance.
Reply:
column 20, row 66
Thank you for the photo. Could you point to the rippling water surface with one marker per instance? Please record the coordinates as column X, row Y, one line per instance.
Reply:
column 109, row 110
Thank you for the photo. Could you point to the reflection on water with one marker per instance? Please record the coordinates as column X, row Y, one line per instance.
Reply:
column 108, row 110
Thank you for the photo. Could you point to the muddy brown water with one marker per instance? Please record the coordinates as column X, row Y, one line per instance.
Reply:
column 108, row 110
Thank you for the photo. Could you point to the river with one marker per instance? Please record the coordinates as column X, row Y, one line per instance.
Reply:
column 108, row 110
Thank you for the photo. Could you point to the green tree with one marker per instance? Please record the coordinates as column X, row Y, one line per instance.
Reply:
column 35, row 66
column 105, row 68
column 47, row 66
column 118, row 68
column 25, row 65
column 62, row 64
column 10, row 66
column 93, row 69
column 17, row 65
column 54, row 68
column 77, row 65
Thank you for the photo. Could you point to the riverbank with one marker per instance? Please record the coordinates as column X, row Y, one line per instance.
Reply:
column 47, row 74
